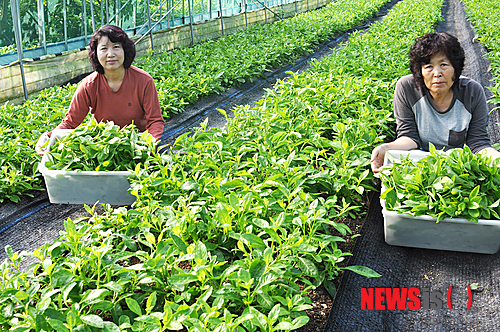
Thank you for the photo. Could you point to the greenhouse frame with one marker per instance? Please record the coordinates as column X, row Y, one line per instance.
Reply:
column 31, row 29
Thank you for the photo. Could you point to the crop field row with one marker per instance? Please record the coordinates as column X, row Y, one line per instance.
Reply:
column 182, row 77
column 229, row 232
column 185, row 75
column 484, row 16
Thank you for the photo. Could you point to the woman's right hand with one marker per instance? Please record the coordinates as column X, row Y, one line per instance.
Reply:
column 378, row 154
column 41, row 144
column 377, row 159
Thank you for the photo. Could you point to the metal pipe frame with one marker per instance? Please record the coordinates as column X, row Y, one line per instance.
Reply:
column 246, row 19
column 159, row 21
column 149, row 26
column 107, row 12
column 119, row 11
column 134, row 13
column 102, row 12
column 265, row 10
column 221, row 17
column 41, row 25
column 16, row 20
column 167, row 13
column 168, row 16
column 65, row 22
column 91, row 14
column 161, row 12
column 265, row 7
column 191, row 21
column 84, row 5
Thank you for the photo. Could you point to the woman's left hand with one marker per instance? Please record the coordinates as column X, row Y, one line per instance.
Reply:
column 41, row 144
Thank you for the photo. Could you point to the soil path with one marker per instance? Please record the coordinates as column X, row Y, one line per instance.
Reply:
column 444, row 274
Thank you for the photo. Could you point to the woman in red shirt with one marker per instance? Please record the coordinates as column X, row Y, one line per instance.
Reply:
column 116, row 91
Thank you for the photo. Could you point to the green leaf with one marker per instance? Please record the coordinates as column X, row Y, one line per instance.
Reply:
column 284, row 326
column 183, row 278
column 362, row 270
column 95, row 295
column 92, row 320
column 299, row 322
column 233, row 200
column 151, row 302
column 265, row 301
column 222, row 215
column 62, row 277
column 70, row 227
column 9, row 251
column 474, row 192
column 307, row 267
column 114, row 286
column 179, row 242
column 257, row 269
column 133, row 306
column 274, row 314
column 200, row 253
column 254, row 240
column 57, row 325
column 330, row 288
column 110, row 327
column 190, row 185
column 474, row 286
column 71, row 319
column 22, row 295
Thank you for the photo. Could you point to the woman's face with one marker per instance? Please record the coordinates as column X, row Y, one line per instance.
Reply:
column 110, row 55
column 438, row 75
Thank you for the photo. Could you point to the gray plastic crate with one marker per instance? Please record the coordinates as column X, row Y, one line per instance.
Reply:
column 85, row 187
column 455, row 234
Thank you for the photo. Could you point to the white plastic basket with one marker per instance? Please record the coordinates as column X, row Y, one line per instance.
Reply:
column 456, row 234
column 85, row 187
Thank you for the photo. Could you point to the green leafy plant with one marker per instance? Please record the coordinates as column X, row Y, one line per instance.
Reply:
column 483, row 15
column 181, row 77
column 444, row 185
column 101, row 147
column 184, row 75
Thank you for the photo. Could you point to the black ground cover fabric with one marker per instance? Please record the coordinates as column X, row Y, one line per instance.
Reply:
column 403, row 267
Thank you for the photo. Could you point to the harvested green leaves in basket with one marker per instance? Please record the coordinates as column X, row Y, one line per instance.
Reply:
column 457, row 183
column 101, row 147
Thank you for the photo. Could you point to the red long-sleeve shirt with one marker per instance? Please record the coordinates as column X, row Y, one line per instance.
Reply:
column 136, row 100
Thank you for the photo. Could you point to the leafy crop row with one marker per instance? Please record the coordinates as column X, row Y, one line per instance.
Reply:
column 187, row 75
column 230, row 231
column 484, row 16
column 20, row 127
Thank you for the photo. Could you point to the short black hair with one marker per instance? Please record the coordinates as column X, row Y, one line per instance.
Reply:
column 115, row 35
column 433, row 43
